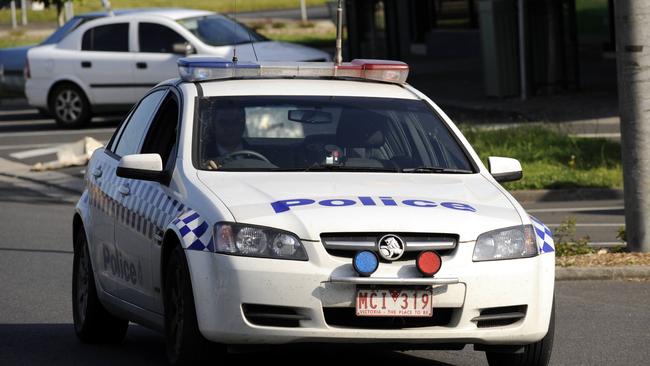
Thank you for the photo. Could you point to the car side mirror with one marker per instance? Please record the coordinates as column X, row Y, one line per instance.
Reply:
column 505, row 169
column 183, row 48
column 141, row 166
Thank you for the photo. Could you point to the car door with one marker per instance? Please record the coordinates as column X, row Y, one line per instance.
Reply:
column 128, row 266
column 154, row 204
column 155, row 58
column 105, row 64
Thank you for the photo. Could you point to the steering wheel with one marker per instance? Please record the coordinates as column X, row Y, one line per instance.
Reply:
column 254, row 154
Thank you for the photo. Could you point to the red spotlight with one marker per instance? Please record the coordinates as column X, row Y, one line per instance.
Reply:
column 429, row 263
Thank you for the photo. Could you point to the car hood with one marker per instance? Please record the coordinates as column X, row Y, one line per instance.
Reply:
column 278, row 51
column 312, row 203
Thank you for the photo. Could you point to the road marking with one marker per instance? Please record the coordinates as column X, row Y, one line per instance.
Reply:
column 35, row 152
column 57, row 132
column 31, row 122
column 18, row 112
column 25, row 146
column 576, row 209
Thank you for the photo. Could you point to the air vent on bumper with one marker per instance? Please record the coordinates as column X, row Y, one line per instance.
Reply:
column 500, row 316
column 274, row 316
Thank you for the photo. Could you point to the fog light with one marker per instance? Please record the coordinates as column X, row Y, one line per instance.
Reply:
column 365, row 263
column 429, row 263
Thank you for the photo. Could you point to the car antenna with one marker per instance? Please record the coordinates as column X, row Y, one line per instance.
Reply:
column 107, row 5
column 250, row 37
column 339, row 34
column 234, row 30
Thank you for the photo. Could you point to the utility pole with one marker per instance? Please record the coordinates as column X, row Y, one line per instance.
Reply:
column 23, row 11
column 633, row 63
column 303, row 10
column 13, row 14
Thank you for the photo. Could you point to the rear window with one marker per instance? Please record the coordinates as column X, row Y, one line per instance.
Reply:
column 108, row 38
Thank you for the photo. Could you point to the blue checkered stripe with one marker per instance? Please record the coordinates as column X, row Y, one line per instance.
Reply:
column 195, row 232
column 545, row 236
column 147, row 208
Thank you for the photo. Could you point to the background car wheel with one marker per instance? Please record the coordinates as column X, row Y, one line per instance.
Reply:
column 538, row 353
column 92, row 322
column 184, row 342
column 69, row 106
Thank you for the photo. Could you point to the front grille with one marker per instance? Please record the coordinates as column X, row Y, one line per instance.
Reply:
column 345, row 245
column 273, row 316
column 500, row 316
column 347, row 317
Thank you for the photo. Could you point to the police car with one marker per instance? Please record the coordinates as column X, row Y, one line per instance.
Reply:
column 252, row 203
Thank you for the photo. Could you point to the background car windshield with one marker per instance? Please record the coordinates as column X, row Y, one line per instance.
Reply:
column 216, row 30
column 301, row 133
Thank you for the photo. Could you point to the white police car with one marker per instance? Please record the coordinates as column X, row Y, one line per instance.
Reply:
column 278, row 203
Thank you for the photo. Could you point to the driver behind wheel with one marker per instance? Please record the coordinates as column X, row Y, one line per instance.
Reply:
column 225, row 134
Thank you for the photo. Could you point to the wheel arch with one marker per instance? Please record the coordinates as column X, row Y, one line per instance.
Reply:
column 77, row 223
column 169, row 243
column 75, row 83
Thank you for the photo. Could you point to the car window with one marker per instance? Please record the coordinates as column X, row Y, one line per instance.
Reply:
column 303, row 132
column 217, row 30
column 109, row 38
column 116, row 135
column 163, row 130
column 157, row 38
column 133, row 131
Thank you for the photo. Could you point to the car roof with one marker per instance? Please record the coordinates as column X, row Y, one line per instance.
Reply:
column 305, row 87
column 171, row 13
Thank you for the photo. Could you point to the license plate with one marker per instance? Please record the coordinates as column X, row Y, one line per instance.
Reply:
column 394, row 302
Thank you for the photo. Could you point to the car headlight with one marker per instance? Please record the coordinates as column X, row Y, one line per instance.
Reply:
column 257, row 241
column 508, row 243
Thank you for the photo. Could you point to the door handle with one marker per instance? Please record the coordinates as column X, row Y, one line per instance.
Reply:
column 86, row 64
column 124, row 190
column 96, row 172
column 141, row 65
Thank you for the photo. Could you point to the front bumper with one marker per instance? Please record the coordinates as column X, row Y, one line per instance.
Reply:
column 222, row 284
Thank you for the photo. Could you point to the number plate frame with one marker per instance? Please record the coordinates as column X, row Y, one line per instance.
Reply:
column 389, row 302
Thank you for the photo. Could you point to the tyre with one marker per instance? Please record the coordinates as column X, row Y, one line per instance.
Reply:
column 184, row 343
column 92, row 322
column 69, row 106
column 538, row 353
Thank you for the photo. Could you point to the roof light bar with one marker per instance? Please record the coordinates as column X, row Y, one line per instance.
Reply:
column 211, row 68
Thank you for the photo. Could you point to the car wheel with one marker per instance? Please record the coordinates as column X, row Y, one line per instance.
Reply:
column 69, row 106
column 92, row 322
column 538, row 353
column 184, row 343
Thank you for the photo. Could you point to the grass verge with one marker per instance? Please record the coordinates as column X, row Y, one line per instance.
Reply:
column 550, row 158
column 18, row 38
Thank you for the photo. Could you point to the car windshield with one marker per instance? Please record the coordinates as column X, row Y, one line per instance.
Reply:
column 316, row 133
column 217, row 30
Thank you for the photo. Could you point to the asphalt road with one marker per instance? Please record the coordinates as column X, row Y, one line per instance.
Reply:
column 600, row 322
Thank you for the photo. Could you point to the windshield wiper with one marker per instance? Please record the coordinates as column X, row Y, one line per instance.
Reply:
column 433, row 169
column 333, row 167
